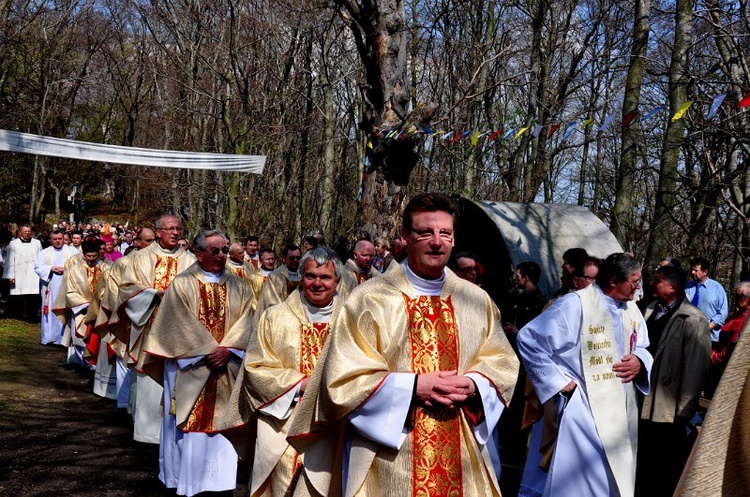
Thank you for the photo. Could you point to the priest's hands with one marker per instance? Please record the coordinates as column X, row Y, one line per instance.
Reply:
column 58, row 269
column 444, row 388
column 628, row 369
column 303, row 385
column 218, row 358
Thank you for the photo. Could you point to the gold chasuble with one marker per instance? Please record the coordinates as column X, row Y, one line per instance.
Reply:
column 284, row 351
column 352, row 277
column 196, row 317
column 118, row 342
column 77, row 288
column 243, row 270
column 279, row 285
column 151, row 269
column 385, row 327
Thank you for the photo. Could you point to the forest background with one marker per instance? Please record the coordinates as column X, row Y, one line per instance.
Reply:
column 359, row 104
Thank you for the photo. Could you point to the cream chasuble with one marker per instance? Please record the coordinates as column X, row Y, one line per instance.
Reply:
column 353, row 276
column 283, row 352
column 257, row 280
column 384, row 329
column 76, row 294
column 279, row 285
column 244, row 270
column 196, row 317
column 152, row 269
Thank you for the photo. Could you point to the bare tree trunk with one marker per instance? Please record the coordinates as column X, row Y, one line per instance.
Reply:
column 629, row 160
column 661, row 223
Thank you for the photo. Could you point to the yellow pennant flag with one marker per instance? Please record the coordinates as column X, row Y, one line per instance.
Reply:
column 520, row 132
column 586, row 123
column 681, row 111
column 475, row 138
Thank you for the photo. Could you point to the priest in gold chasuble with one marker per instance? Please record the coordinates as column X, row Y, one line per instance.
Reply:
column 281, row 281
column 195, row 349
column 76, row 294
column 360, row 268
column 142, row 286
column 279, row 361
column 236, row 263
column 418, row 369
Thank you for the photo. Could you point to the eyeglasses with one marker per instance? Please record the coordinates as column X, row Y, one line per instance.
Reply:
column 171, row 228
column 426, row 234
column 583, row 276
column 215, row 250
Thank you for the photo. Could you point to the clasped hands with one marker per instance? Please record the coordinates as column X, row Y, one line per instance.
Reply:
column 444, row 389
column 218, row 358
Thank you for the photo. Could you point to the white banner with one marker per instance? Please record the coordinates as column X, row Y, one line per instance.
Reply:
column 13, row 141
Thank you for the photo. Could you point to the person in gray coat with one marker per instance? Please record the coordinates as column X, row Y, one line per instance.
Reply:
column 681, row 345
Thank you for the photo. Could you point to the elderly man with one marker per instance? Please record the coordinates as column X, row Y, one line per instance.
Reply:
column 18, row 269
column 142, row 287
column 50, row 266
column 585, row 356
column 236, row 263
column 418, row 368
column 359, row 269
column 195, row 348
column 260, row 276
column 281, row 281
column 279, row 362
column 681, row 346
column 76, row 293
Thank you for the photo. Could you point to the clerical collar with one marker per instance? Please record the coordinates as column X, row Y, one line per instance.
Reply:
column 171, row 251
column 266, row 272
column 317, row 314
column 424, row 286
column 233, row 263
column 211, row 277
column 25, row 241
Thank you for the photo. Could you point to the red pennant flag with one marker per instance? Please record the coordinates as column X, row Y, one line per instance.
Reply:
column 456, row 137
column 552, row 129
column 745, row 102
column 494, row 134
column 629, row 117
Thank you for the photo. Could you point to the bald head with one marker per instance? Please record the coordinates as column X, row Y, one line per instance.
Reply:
column 144, row 238
column 236, row 252
column 364, row 252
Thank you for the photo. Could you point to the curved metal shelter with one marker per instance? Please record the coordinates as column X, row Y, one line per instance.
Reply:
column 504, row 234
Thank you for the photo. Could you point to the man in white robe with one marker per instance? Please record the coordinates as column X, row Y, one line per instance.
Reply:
column 584, row 356
column 50, row 266
column 18, row 269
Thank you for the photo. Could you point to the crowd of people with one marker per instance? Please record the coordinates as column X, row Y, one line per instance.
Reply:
column 390, row 372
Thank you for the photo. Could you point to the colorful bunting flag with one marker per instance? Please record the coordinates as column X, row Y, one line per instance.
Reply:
column 629, row 117
column 607, row 122
column 456, row 137
column 508, row 133
column 653, row 112
column 586, row 123
column 446, row 135
column 474, row 138
column 537, row 130
column 718, row 100
column 569, row 130
column 521, row 132
column 681, row 111
column 552, row 129
column 494, row 134
column 745, row 102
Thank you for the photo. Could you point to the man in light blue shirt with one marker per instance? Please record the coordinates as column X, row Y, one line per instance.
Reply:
column 707, row 295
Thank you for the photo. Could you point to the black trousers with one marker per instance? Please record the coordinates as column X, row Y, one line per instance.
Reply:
column 25, row 307
column 663, row 450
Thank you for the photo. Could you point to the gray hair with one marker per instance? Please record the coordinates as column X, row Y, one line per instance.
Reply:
column 618, row 266
column 160, row 220
column 321, row 256
column 743, row 288
column 199, row 242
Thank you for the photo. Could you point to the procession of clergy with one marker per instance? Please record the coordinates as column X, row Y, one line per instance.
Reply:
column 340, row 379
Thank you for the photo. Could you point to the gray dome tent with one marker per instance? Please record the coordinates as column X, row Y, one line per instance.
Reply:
column 503, row 234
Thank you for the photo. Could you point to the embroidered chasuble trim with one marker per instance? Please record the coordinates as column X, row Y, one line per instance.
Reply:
column 436, row 437
column 92, row 276
column 164, row 272
column 361, row 277
column 311, row 341
column 212, row 314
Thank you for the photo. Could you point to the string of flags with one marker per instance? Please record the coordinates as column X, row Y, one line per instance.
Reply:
column 474, row 136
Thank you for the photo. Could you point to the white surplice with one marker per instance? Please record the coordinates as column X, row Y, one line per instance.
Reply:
column 52, row 328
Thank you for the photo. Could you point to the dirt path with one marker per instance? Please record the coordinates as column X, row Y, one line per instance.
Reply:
column 57, row 437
